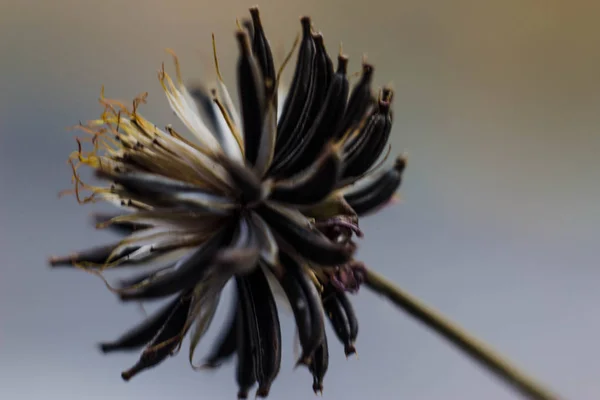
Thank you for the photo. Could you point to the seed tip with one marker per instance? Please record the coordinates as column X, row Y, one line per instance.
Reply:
column 255, row 13
column 318, row 388
column 342, row 66
column 306, row 25
column 243, row 41
column 104, row 347
column 400, row 163
column 349, row 349
column 127, row 375
column 61, row 261
column 262, row 392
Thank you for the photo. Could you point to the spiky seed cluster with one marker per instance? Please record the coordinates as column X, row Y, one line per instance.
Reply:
column 269, row 197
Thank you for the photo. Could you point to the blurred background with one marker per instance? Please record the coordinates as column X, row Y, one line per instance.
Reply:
column 497, row 106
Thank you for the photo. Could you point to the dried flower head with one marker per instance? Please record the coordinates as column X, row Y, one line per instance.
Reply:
column 269, row 197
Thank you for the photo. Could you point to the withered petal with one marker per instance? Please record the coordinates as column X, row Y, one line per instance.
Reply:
column 125, row 283
column 204, row 101
column 144, row 183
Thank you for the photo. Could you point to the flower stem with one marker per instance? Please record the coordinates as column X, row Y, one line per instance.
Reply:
column 461, row 339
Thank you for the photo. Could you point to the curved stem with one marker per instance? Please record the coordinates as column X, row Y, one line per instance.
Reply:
column 458, row 337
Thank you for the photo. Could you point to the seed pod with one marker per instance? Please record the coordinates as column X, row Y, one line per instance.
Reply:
column 249, row 27
column 340, row 320
column 121, row 227
column 305, row 301
column 313, row 184
column 227, row 343
column 268, row 361
column 252, row 97
column 246, row 343
column 168, row 338
column 299, row 99
column 318, row 366
column 262, row 51
column 350, row 314
column 370, row 142
column 263, row 336
column 141, row 334
column 310, row 243
column 359, row 102
column 300, row 303
column 96, row 256
column 323, row 127
column 186, row 273
column 379, row 192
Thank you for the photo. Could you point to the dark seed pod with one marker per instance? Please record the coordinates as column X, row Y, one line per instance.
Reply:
column 299, row 99
column 268, row 362
column 323, row 71
column 359, row 102
column 227, row 343
column 262, row 52
column 340, row 321
column 318, row 366
column 188, row 271
column 247, row 24
column 97, row 256
column 124, row 228
column 167, row 339
column 370, row 143
column 379, row 192
column 323, row 127
column 263, row 336
column 143, row 333
column 312, row 185
column 247, row 342
column 352, row 319
column 312, row 244
column 305, row 301
column 252, row 97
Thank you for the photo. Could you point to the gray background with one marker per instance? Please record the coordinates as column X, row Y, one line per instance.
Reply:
column 498, row 107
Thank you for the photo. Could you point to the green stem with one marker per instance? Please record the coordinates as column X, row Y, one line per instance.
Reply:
column 461, row 339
